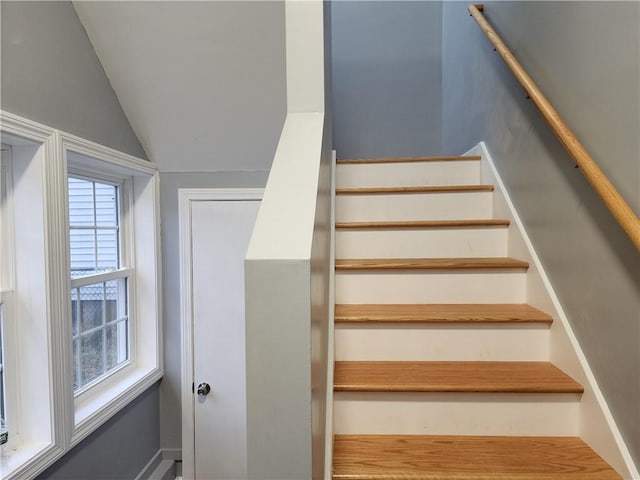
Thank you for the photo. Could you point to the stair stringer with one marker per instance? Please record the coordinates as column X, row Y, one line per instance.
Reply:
column 597, row 425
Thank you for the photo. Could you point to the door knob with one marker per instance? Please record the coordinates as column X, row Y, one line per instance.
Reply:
column 204, row 389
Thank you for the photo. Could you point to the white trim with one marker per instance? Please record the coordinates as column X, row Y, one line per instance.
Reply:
column 572, row 358
column 101, row 277
column 23, row 128
column 164, row 455
column 106, row 154
column 97, row 405
column 33, row 457
column 328, row 432
column 59, row 308
column 186, row 196
column 151, row 465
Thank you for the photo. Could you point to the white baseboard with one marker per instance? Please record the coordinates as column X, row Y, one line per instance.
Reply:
column 597, row 426
column 160, row 464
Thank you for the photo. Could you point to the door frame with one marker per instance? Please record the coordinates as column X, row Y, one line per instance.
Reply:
column 186, row 197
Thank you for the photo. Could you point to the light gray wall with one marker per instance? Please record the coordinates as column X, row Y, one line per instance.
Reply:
column 387, row 74
column 202, row 82
column 170, row 183
column 260, row 135
column 51, row 74
column 585, row 57
column 118, row 450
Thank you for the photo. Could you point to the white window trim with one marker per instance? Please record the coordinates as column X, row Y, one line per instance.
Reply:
column 49, row 443
column 71, row 419
column 94, row 406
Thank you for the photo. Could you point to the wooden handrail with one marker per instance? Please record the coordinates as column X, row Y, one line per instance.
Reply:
column 625, row 216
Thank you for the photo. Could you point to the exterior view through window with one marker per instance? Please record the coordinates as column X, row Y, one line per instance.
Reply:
column 99, row 312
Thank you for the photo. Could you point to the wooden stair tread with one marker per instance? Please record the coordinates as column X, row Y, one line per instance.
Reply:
column 408, row 159
column 421, row 457
column 441, row 313
column 490, row 222
column 430, row 263
column 416, row 189
column 495, row 377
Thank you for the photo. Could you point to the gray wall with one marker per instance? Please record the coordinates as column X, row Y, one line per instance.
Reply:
column 170, row 403
column 387, row 74
column 119, row 449
column 585, row 57
column 51, row 74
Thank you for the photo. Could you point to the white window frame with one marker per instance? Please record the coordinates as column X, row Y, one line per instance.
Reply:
column 50, row 410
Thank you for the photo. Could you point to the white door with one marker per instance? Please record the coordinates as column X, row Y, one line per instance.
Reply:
column 220, row 232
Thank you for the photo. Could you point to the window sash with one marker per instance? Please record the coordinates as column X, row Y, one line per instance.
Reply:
column 121, row 273
column 122, row 322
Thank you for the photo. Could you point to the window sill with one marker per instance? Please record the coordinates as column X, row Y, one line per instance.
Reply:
column 27, row 460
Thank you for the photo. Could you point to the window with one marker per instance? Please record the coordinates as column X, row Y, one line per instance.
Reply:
column 80, row 326
column 99, row 316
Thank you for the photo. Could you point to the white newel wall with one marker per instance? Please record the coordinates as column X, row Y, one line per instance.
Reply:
column 287, row 273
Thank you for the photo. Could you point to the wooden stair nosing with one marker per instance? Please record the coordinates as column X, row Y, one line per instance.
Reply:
column 450, row 376
column 440, row 313
column 425, row 224
column 415, row 189
column 448, row 457
column 354, row 161
column 471, row 263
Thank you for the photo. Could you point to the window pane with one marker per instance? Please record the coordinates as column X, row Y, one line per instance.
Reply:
column 81, row 205
column 91, row 356
column 93, row 227
column 100, row 329
column 83, row 252
column 106, row 205
column 91, row 314
column 74, row 311
column 117, row 343
column 77, row 380
column 111, row 300
column 107, row 250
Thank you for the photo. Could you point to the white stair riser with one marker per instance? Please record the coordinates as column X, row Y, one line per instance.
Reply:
column 416, row 243
column 415, row 206
column 438, row 342
column 408, row 174
column 456, row 414
column 430, row 286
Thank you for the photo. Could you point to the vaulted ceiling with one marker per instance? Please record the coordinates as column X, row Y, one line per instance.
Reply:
column 202, row 83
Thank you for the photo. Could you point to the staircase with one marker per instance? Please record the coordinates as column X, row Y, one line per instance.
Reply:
column 441, row 368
